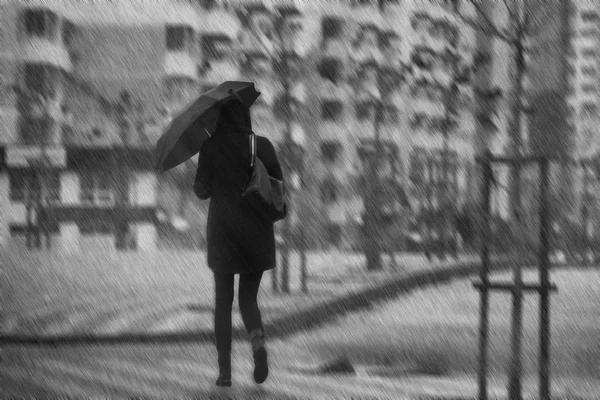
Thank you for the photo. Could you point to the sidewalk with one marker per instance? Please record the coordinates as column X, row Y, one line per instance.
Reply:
column 52, row 295
column 189, row 371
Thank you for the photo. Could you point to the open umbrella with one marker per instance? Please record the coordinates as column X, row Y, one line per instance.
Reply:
column 196, row 122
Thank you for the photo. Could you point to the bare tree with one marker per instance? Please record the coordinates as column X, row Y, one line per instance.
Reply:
column 516, row 32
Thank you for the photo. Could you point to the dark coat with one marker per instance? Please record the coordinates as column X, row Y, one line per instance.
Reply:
column 239, row 240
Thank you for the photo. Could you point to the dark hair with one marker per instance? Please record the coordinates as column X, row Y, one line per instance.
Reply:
column 233, row 114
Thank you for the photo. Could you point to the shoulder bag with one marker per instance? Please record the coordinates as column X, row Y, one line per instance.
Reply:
column 264, row 192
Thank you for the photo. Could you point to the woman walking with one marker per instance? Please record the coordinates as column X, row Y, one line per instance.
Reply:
column 239, row 240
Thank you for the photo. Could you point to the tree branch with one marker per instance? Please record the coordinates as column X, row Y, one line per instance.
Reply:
column 489, row 31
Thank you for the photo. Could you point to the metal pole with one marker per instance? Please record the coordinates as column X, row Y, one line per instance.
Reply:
column 585, row 215
column 545, row 284
column 515, row 385
column 371, row 200
column 303, row 266
column 485, row 263
column 121, row 173
column 287, row 223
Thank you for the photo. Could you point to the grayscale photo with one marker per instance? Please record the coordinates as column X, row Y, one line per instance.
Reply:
column 300, row 199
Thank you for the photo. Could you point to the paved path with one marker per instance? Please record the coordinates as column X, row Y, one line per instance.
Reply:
column 292, row 314
column 188, row 371
column 57, row 297
column 183, row 366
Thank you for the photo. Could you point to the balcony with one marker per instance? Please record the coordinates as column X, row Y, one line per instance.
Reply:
column 41, row 42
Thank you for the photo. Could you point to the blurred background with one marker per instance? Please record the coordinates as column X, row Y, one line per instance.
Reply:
column 379, row 111
column 378, row 108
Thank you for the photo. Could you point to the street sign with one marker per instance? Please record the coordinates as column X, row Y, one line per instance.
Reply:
column 24, row 156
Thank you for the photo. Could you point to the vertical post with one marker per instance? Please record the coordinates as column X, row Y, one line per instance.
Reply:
column 303, row 262
column 372, row 204
column 515, row 130
column 544, row 393
column 287, row 222
column 584, row 214
column 485, row 263
column 121, row 174
column 516, row 369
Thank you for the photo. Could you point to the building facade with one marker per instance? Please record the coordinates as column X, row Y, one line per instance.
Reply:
column 92, row 76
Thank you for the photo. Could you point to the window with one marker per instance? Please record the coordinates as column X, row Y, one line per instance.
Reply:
column 385, row 40
column 588, row 71
column 589, row 88
column 41, row 23
column 588, row 110
column 207, row 4
column 390, row 115
column 68, row 33
column 20, row 185
column 589, row 52
column 417, row 167
column 96, row 188
column 363, row 3
column 24, row 184
column 587, row 32
column 368, row 37
column 329, row 191
column 365, row 110
column 330, row 69
column 423, row 58
column 178, row 37
column 331, row 110
column 215, row 48
column 420, row 22
column 589, row 16
column 332, row 28
column 330, row 150
column 418, row 121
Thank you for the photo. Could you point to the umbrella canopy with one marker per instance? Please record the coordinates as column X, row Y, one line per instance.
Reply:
column 196, row 122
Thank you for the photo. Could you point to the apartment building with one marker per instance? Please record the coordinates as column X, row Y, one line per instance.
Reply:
column 115, row 72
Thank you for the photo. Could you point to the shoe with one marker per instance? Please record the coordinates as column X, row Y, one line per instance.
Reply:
column 224, row 378
column 223, row 381
column 259, row 352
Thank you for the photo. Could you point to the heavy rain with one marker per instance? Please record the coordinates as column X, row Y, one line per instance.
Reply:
column 440, row 164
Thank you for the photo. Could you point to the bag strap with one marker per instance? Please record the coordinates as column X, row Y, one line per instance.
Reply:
column 252, row 149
